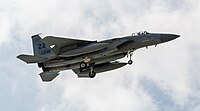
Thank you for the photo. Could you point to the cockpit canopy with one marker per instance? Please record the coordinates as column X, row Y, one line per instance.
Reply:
column 140, row 33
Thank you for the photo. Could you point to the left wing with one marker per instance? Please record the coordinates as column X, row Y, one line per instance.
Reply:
column 60, row 42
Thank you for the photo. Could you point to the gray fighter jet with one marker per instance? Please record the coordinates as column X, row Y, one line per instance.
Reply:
column 86, row 58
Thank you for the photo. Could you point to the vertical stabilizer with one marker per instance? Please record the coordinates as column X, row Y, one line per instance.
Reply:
column 40, row 48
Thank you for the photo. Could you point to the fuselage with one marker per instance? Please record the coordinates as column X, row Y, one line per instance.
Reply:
column 105, row 51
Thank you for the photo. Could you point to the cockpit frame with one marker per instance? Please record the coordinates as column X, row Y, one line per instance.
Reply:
column 140, row 33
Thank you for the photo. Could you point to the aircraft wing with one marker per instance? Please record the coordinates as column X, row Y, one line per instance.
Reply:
column 48, row 76
column 60, row 42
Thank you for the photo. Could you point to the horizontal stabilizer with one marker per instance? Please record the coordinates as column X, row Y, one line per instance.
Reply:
column 31, row 59
column 48, row 76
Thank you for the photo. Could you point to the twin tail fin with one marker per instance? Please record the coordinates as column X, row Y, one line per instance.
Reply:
column 42, row 51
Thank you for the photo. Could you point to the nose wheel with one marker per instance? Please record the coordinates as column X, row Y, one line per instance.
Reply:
column 130, row 62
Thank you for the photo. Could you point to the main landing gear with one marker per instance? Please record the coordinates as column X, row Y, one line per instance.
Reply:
column 92, row 73
column 84, row 66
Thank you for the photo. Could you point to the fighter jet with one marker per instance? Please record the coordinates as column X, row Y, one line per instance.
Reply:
column 87, row 58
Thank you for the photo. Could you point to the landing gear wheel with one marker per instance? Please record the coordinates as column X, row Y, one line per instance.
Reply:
column 130, row 62
column 92, row 74
column 83, row 65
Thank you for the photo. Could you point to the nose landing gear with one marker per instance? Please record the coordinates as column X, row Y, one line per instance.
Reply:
column 130, row 54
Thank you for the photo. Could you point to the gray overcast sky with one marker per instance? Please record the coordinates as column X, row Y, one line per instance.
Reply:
column 165, row 78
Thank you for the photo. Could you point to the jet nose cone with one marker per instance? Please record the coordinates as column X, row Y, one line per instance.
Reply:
column 168, row 37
